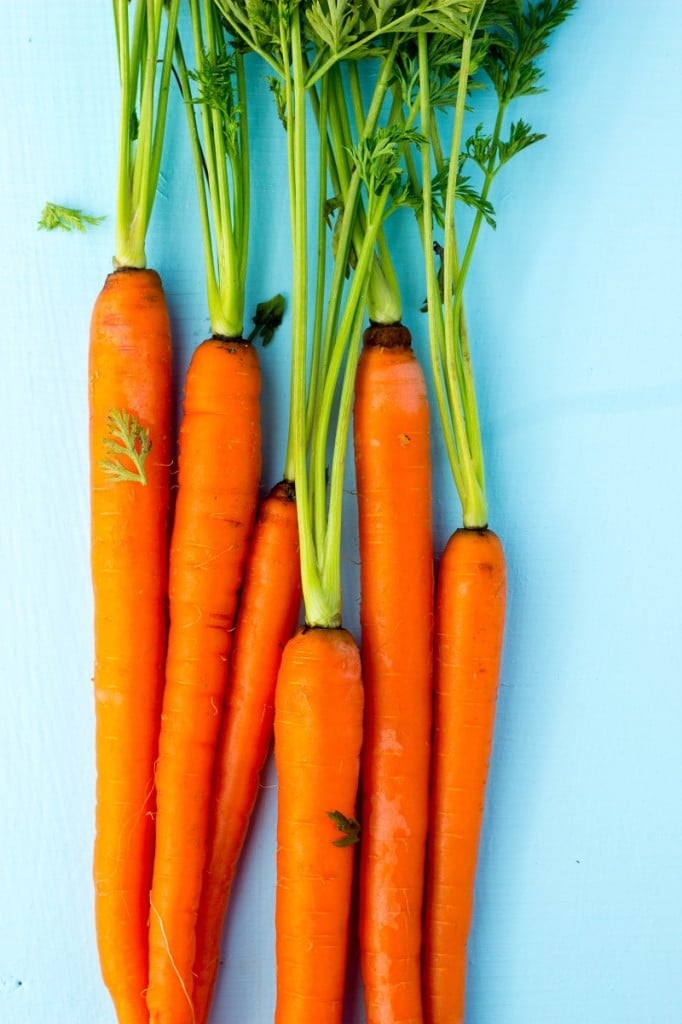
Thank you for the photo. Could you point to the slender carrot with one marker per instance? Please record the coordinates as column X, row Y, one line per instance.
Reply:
column 219, row 475
column 214, row 516
column 130, row 357
column 130, row 405
column 318, row 735
column 268, row 612
column 393, row 470
column 506, row 41
column 469, row 629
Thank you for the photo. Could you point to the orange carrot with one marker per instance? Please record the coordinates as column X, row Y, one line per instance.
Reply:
column 318, row 735
column 130, row 384
column 394, row 507
column 268, row 611
column 468, row 646
column 214, row 516
column 470, row 599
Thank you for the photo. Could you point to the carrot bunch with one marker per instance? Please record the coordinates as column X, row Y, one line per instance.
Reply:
column 198, row 661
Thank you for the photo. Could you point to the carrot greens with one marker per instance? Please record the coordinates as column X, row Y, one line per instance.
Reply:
column 144, row 104
column 220, row 150
column 501, row 41
column 304, row 44
column 66, row 218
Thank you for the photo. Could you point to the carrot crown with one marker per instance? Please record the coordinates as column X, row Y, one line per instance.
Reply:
column 145, row 64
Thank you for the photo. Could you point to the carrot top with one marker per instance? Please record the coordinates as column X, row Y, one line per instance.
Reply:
column 145, row 64
column 498, row 41
column 221, row 164
column 304, row 44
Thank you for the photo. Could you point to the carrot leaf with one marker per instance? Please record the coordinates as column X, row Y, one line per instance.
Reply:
column 130, row 440
column 269, row 316
column 65, row 218
column 349, row 826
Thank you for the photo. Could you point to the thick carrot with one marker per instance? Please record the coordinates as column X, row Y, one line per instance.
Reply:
column 269, row 606
column 130, row 384
column 468, row 645
column 393, row 471
column 318, row 735
column 219, row 470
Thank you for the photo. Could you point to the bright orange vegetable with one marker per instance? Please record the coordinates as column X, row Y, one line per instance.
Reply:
column 269, row 605
column 469, row 632
column 318, row 735
column 219, row 470
column 130, row 384
column 393, row 471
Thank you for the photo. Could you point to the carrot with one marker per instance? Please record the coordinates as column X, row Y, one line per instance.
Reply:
column 469, row 632
column 318, row 735
column 219, row 470
column 470, row 599
column 268, row 611
column 393, row 471
column 130, row 413
column 130, row 364
column 220, row 461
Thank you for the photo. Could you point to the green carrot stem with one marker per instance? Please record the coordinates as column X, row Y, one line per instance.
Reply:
column 319, row 609
column 141, row 139
column 322, row 108
column 473, row 499
column 200, row 177
column 351, row 326
column 297, row 311
column 433, row 300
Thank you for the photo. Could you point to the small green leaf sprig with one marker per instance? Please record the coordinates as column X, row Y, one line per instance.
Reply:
column 130, row 441
column 349, row 826
column 65, row 218
column 267, row 319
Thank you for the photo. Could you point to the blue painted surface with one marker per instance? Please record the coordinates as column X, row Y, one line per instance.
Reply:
column 575, row 307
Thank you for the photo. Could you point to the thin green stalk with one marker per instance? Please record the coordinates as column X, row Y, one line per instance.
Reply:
column 317, row 606
column 318, row 317
column 140, row 151
column 243, row 181
column 334, row 340
column 473, row 500
column 198, row 161
column 225, row 232
column 225, row 235
column 383, row 294
column 210, row 157
column 459, row 320
column 289, row 462
column 162, row 102
column 350, row 193
column 143, row 155
column 478, row 219
column 124, row 159
column 351, row 328
column 433, row 300
column 331, row 561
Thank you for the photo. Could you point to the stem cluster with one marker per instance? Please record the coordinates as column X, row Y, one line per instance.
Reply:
column 142, row 48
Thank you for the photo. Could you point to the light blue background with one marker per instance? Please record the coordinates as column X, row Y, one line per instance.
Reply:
column 575, row 306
